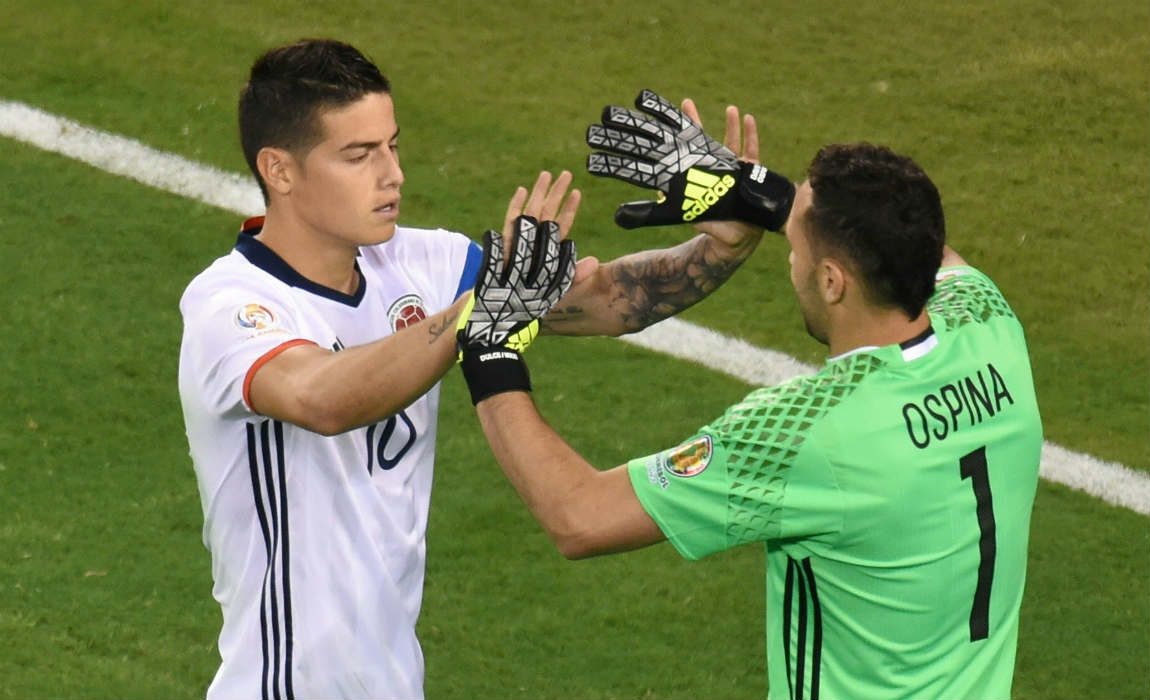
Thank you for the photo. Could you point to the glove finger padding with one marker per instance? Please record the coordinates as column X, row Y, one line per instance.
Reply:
column 621, row 141
column 523, row 234
column 663, row 110
column 698, row 178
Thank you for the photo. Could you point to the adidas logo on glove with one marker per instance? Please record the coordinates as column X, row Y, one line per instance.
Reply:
column 702, row 190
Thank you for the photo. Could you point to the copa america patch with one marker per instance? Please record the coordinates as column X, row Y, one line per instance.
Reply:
column 255, row 317
column 406, row 311
column 690, row 458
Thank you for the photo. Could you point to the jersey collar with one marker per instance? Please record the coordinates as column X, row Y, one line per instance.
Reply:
column 267, row 260
column 919, row 345
column 912, row 349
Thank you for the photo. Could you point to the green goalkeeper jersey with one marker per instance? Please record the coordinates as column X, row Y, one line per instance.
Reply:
column 893, row 492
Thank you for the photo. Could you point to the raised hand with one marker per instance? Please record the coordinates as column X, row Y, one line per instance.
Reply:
column 697, row 178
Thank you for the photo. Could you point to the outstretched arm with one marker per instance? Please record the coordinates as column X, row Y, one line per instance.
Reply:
column 585, row 511
column 632, row 292
column 332, row 392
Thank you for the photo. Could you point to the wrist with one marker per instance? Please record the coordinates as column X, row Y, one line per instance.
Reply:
column 764, row 197
column 493, row 370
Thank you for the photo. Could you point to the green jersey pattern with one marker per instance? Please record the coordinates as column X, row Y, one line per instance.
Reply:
column 892, row 491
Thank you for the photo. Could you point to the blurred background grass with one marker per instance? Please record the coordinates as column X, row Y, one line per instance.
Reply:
column 1032, row 118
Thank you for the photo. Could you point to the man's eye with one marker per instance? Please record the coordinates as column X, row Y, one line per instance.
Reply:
column 359, row 159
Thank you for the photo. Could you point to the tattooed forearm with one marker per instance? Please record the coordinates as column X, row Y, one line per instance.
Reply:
column 636, row 290
column 652, row 287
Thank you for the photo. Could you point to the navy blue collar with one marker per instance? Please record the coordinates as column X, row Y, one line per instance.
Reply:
column 267, row 260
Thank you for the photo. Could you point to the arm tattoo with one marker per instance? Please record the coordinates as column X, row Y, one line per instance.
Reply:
column 435, row 329
column 653, row 286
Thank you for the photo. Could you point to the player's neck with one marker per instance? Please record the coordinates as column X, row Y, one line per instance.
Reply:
column 875, row 328
column 320, row 257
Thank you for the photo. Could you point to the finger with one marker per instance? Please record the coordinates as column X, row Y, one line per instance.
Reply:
column 555, row 196
column 750, row 139
column 619, row 140
column 514, row 208
column 692, row 111
column 521, row 253
column 493, row 262
column 544, row 254
column 584, row 268
column 634, row 121
column 566, row 217
column 651, row 103
column 564, row 273
column 734, row 137
column 625, row 168
column 538, row 195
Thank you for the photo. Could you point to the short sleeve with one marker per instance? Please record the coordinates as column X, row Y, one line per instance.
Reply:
column 684, row 489
column 228, row 334
column 757, row 473
column 472, row 260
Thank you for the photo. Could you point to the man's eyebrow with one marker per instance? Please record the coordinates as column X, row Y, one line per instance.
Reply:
column 361, row 144
column 369, row 144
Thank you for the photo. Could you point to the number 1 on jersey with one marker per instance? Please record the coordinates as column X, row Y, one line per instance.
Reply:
column 973, row 466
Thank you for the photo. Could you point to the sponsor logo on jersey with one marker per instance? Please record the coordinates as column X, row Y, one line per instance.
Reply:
column 690, row 458
column 256, row 317
column 406, row 311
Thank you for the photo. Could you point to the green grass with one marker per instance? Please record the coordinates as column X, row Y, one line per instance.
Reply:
column 1032, row 117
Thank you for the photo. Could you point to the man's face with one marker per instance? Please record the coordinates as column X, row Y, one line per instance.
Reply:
column 804, row 266
column 349, row 182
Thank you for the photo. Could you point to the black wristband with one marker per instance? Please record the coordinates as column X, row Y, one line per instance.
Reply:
column 491, row 371
column 764, row 197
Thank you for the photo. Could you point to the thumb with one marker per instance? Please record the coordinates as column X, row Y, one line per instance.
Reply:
column 635, row 214
column 648, row 213
column 585, row 267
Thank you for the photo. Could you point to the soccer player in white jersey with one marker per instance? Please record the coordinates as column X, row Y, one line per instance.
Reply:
column 892, row 490
column 309, row 372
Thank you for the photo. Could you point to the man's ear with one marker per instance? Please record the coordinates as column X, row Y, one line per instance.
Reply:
column 277, row 168
column 832, row 280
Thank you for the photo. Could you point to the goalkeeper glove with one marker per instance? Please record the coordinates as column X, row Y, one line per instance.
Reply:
column 512, row 294
column 697, row 178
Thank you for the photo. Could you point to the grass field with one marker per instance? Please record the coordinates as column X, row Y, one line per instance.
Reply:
column 1032, row 117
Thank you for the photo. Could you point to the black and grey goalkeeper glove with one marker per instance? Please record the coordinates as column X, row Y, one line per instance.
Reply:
column 512, row 294
column 697, row 178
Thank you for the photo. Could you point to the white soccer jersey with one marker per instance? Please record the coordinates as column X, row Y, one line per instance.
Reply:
column 317, row 542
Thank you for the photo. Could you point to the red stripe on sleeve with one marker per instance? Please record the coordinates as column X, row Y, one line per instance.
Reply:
column 263, row 360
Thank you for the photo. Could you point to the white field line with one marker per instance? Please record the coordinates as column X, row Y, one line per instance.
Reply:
column 1112, row 482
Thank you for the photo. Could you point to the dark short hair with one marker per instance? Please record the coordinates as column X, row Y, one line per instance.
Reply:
column 882, row 212
column 288, row 88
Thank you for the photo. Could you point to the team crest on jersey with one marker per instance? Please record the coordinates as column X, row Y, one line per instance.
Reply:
column 406, row 311
column 690, row 458
column 256, row 317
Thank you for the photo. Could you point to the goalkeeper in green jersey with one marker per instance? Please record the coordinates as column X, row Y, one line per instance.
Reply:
column 892, row 490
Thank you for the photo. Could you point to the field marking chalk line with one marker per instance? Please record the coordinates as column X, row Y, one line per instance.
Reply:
column 1114, row 483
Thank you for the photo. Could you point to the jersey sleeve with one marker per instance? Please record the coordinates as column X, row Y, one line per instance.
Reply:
column 469, row 275
column 753, row 475
column 229, row 333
